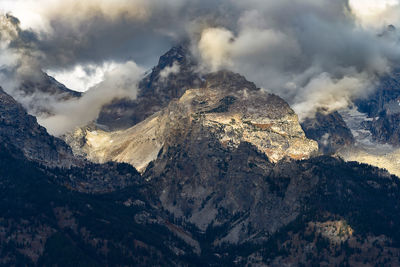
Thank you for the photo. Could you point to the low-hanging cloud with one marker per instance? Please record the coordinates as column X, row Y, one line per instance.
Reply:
column 169, row 70
column 121, row 82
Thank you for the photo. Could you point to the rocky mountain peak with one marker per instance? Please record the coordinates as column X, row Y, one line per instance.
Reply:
column 179, row 54
column 174, row 74
column 226, row 108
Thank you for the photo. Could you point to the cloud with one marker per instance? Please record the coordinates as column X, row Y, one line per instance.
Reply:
column 376, row 13
column 93, row 31
column 121, row 82
column 313, row 53
column 82, row 77
column 215, row 47
column 318, row 52
column 327, row 94
column 168, row 70
column 19, row 57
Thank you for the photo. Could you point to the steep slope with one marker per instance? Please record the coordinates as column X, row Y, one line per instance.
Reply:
column 44, row 83
column 44, row 221
column 228, row 108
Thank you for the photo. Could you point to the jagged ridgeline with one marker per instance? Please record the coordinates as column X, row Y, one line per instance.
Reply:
column 213, row 172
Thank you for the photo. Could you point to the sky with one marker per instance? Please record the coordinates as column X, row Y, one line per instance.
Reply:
column 314, row 53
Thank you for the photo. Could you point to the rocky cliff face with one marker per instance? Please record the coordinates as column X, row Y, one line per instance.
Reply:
column 228, row 108
column 46, row 84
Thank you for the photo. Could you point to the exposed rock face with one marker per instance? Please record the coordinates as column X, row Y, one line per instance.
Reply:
column 210, row 186
column 330, row 131
column 229, row 108
column 174, row 74
column 385, row 128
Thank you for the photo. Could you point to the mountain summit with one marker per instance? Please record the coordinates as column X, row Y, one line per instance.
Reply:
column 174, row 74
column 226, row 107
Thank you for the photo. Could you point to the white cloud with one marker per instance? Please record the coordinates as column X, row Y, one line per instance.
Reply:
column 119, row 82
column 83, row 77
column 376, row 13
column 167, row 71
column 329, row 94
column 215, row 47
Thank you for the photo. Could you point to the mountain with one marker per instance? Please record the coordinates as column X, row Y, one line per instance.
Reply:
column 156, row 91
column 226, row 107
column 46, row 84
column 227, row 178
column 246, row 210
column 200, row 203
column 60, row 210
